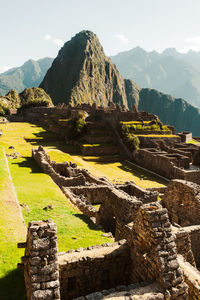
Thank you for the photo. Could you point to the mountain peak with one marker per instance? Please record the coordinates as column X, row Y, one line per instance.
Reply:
column 81, row 73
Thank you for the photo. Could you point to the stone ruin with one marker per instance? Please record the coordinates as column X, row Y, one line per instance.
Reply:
column 156, row 250
column 178, row 160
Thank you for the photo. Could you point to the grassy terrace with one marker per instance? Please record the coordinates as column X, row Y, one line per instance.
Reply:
column 36, row 190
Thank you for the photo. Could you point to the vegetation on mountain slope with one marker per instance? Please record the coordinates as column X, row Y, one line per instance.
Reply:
column 30, row 74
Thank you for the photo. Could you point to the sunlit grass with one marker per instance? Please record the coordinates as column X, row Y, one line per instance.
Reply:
column 36, row 190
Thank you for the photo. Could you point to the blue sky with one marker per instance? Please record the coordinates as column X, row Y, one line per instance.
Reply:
column 38, row 28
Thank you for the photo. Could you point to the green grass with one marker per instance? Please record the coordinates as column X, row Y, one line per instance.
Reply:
column 135, row 122
column 12, row 231
column 37, row 190
column 193, row 142
column 158, row 135
column 119, row 172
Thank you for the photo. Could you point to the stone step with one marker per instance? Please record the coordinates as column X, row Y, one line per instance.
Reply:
column 99, row 149
column 92, row 139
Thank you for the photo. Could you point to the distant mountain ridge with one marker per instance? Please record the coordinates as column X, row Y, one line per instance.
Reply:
column 171, row 72
column 30, row 74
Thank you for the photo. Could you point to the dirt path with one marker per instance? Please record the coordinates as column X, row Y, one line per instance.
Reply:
column 13, row 200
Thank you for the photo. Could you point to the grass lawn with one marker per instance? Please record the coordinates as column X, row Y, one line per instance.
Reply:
column 117, row 172
column 193, row 142
column 36, row 190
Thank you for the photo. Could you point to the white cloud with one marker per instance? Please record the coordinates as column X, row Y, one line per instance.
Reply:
column 4, row 68
column 58, row 42
column 120, row 37
column 193, row 44
column 47, row 37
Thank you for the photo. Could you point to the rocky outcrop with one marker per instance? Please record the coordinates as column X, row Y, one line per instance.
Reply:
column 132, row 93
column 81, row 73
column 35, row 94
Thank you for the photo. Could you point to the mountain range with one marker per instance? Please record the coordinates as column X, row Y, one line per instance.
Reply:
column 30, row 74
column 171, row 72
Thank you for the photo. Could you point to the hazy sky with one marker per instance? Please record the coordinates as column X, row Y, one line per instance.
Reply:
column 38, row 28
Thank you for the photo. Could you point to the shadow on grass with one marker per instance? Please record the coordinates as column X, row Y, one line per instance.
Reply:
column 29, row 162
column 140, row 173
column 12, row 286
column 87, row 220
column 50, row 139
column 103, row 159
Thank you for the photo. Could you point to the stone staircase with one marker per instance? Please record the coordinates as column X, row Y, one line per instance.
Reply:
column 98, row 141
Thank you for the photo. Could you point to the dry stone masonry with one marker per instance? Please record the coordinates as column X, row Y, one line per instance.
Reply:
column 41, row 270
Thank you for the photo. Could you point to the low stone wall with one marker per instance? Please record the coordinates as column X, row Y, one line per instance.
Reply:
column 144, row 195
column 93, row 194
column 84, row 206
column 84, row 271
column 191, row 277
column 43, row 161
column 183, row 244
column 143, row 291
column 117, row 205
column 194, row 233
column 182, row 199
column 41, row 261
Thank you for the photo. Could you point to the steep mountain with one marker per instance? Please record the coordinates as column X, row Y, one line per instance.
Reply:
column 170, row 72
column 132, row 93
column 82, row 73
column 31, row 73
column 177, row 112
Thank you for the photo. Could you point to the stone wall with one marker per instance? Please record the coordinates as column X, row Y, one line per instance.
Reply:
column 41, row 271
column 191, row 277
column 183, row 244
column 95, row 268
column 134, row 190
column 194, row 234
column 182, row 199
column 185, row 136
column 153, row 251
column 169, row 166
column 117, row 205
column 44, row 162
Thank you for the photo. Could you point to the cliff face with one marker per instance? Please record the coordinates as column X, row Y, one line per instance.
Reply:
column 132, row 93
column 82, row 73
column 170, row 110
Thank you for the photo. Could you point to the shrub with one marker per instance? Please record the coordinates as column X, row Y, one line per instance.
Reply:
column 35, row 103
column 165, row 128
column 76, row 127
column 4, row 110
column 132, row 142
